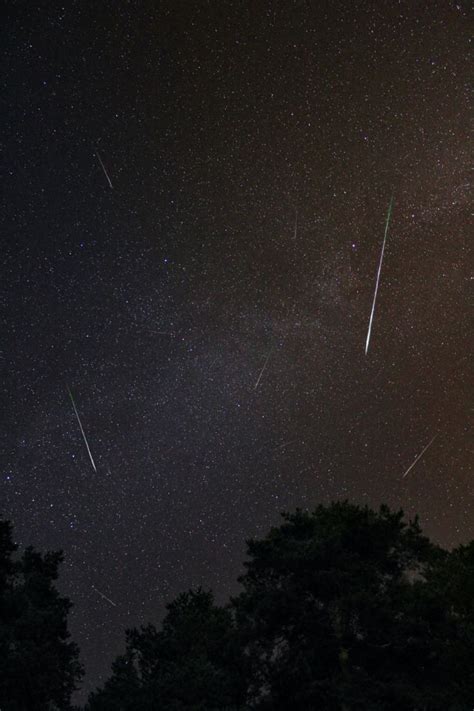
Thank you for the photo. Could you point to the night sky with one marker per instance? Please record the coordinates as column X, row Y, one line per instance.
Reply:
column 209, row 311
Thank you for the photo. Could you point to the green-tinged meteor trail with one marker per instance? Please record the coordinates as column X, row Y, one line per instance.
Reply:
column 82, row 431
column 389, row 213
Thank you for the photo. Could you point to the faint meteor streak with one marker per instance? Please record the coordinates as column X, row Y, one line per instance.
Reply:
column 82, row 430
column 263, row 369
column 104, row 596
column 378, row 275
column 295, row 235
column 285, row 444
column 104, row 168
column 420, row 455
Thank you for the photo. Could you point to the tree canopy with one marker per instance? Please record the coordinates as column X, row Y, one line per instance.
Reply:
column 345, row 608
column 341, row 608
column 194, row 662
column 39, row 666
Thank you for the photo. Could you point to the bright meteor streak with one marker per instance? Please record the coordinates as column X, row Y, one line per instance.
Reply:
column 103, row 168
column 420, row 455
column 378, row 275
column 82, row 430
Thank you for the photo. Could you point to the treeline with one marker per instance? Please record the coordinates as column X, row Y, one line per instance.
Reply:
column 341, row 609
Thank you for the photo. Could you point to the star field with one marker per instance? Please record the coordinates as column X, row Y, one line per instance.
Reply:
column 209, row 311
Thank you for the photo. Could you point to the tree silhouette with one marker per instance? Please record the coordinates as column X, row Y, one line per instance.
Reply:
column 193, row 662
column 39, row 667
column 345, row 608
column 342, row 609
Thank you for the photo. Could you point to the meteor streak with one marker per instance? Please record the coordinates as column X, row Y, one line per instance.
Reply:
column 82, row 430
column 103, row 168
column 104, row 596
column 263, row 369
column 420, row 455
column 285, row 444
column 378, row 275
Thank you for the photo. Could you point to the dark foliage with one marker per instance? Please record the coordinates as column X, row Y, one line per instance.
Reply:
column 343, row 608
column 39, row 667
column 193, row 662
column 346, row 608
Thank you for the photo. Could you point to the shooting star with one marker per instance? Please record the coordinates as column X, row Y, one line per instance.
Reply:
column 104, row 596
column 378, row 274
column 285, row 444
column 420, row 455
column 104, row 168
column 295, row 234
column 263, row 369
column 82, row 430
